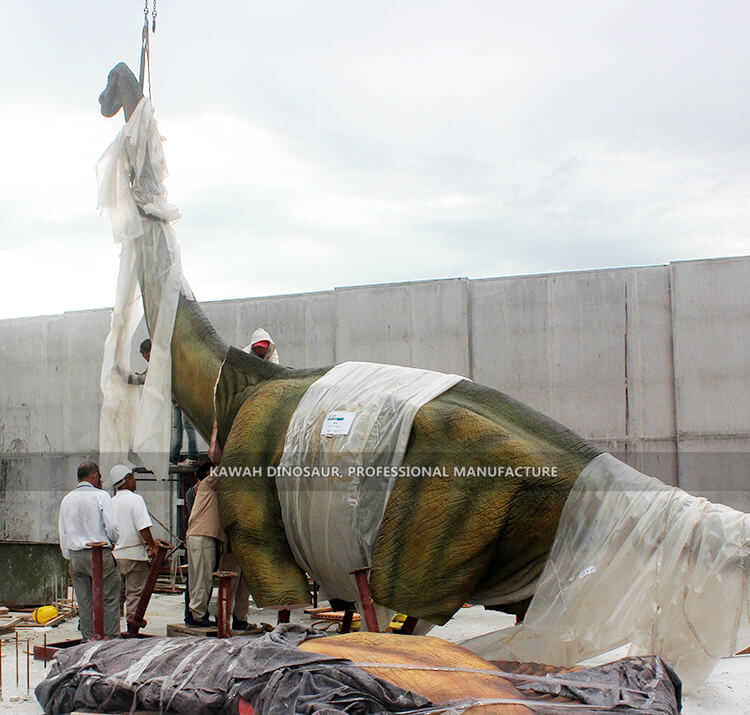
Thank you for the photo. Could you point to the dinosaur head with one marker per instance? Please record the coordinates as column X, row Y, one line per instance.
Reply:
column 122, row 91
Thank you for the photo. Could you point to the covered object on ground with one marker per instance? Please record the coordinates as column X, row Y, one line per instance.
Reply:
column 201, row 676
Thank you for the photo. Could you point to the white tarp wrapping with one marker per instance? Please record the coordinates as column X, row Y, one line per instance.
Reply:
column 636, row 561
column 331, row 522
column 136, row 423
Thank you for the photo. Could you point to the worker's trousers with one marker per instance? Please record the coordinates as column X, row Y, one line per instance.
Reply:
column 201, row 566
column 134, row 574
column 80, row 569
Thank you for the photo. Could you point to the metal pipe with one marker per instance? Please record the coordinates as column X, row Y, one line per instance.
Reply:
column 224, row 607
column 346, row 623
column 97, row 588
column 284, row 616
column 409, row 625
column 1, row 669
column 136, row 622
column 16, row 660
column 28, row 657
column 363, row 585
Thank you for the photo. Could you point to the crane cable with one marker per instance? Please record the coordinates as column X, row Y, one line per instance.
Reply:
column 145, row 67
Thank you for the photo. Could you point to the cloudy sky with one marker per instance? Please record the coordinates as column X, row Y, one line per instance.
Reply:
column 314, row 145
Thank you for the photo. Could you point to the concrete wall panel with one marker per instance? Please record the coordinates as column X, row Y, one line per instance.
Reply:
column 85, row 333
column 711, row 307
column 556, row 342
column 711, row 319
column 414, row 324
column 637, row 360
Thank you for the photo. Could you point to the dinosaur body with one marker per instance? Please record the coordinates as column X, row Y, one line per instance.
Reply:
column 443, row 540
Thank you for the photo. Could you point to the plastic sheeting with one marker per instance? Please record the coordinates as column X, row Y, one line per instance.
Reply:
column 201, row 676
column 331, row 521
column 636, row 561
column 135, row 424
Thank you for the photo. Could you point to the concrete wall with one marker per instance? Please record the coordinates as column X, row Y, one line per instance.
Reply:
column 645, row 362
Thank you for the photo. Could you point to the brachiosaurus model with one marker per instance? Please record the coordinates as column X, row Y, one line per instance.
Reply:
column 442, row 540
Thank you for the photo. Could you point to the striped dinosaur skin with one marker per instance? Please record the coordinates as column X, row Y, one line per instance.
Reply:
column 442, row 538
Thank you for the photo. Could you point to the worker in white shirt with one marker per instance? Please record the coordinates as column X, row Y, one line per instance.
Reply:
column 135, row 544
column 86, row 517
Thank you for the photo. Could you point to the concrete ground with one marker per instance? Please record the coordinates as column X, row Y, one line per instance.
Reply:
column 727, row 691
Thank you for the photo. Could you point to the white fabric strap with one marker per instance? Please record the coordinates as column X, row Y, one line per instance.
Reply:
column 331, row 522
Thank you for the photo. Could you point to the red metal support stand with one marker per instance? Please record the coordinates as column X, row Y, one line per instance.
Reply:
column 284, row 615
column 97, row 588
column 365, row 596
column 136, row 622
column 224, row 607
column 346, row 624
column 409, row 625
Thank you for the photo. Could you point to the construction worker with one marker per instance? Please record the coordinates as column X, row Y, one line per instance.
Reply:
column 262, row 345
column 135, row 544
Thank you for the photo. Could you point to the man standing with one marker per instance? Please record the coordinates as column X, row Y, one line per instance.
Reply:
column 86, row 517
column 262, row 345
column 135, row 543
column 204, row 536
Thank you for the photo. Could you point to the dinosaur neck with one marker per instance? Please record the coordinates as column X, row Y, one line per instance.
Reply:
column 197, row 353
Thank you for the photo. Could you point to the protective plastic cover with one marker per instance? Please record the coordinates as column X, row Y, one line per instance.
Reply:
column 135, row 424
column 636, row 561
column 331, row 521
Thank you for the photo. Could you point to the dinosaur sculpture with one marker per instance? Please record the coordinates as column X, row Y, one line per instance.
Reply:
column 443, row 540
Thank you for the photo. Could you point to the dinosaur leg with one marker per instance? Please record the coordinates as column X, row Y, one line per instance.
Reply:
column 251, row 516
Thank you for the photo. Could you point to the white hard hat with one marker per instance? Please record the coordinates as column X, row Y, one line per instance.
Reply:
column 118, row 474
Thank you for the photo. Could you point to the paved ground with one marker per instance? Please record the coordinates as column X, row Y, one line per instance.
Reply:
column 727, row 692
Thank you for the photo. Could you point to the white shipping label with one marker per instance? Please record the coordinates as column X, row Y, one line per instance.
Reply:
column 337, row 423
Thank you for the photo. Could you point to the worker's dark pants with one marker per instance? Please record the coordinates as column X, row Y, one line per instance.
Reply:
column 80, row 569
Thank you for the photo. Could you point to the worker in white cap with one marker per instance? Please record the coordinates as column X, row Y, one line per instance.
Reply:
column 135, row 543
column 262, row 345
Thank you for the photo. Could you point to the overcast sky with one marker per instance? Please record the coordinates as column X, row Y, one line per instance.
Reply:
column 314, row 145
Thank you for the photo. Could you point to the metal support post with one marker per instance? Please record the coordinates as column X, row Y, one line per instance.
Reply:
column 224, row 606
column 284, row 616
column 97, row 588
column 409, row 625
column 346, row 624
column 363, row 585
column 136, row 622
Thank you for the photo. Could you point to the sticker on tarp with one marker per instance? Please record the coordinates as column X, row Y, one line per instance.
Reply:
column 337, row 423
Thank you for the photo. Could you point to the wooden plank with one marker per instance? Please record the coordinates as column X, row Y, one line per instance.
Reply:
column 180, row 629
column 337, row 616
column 10, row 626
column 318, row 611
